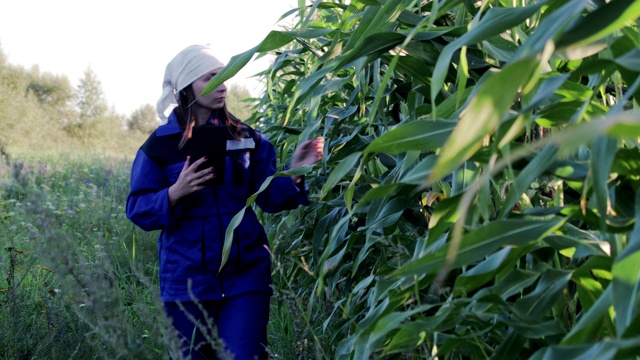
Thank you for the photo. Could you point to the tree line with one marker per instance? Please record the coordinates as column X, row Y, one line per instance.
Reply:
column 42, row 110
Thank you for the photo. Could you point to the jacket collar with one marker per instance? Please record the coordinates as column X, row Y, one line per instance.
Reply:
column 170, row 128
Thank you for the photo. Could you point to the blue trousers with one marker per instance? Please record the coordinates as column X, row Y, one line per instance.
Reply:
column 241, row 323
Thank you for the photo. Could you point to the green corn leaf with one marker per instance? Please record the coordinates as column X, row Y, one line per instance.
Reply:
column 534, row 168
column 536, row 330
column 626, row 291
column 509, row 345
column 605, row 20
column 235, row 64
column 336, row 238
column 482, row 116
column 375, row 45
column 339, row 172
column 419, row 172
column 547, row 89
column 362, row 254
column 551, row 28
column 538, row 303
column 228, row 238
column 512, row 283
column 633, row 242
column 575, row 248
column 237, row 218
column 377, row 192
column 274, row 40
column 420, row 135
column 627, row 162
column 590, row 323
column 494, row 22
column 383, row 326
column 618, row 125
column 602, row 350
column 445, row 214
column 589, row 288
column 630, row 60
column 482, row 242
column 320, row 231
column 603, row 153
column 374, row 20
column 486, row 270
column 388, row 214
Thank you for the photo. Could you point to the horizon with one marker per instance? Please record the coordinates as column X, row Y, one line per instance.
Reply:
column 131, row 69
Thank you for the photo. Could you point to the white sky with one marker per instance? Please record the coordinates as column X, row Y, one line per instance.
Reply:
column 128, row 43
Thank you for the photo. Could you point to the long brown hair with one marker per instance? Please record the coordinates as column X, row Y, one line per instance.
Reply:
column 187, row 120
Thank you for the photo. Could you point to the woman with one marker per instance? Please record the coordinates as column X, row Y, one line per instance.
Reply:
column 168, row 193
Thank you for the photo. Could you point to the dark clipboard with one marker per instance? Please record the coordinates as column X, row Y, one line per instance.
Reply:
column 210, row 141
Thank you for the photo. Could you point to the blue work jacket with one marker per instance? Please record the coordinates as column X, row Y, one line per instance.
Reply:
column 192, row 231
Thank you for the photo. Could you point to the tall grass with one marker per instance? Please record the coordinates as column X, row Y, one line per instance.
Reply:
column 79, row 280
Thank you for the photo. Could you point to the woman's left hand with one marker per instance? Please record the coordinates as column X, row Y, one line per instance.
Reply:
column 308, row 152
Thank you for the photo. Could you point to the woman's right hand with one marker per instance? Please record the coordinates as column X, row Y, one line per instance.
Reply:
column 190, row 180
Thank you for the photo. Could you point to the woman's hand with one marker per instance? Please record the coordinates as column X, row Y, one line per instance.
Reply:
column 189, row 180
column 308, row 152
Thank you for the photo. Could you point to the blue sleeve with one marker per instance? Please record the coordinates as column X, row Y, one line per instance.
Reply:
column 148, row 200
column 283, row 193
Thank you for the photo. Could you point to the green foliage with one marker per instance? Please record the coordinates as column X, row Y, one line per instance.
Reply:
column 144, row 119
column 478, row 195
column 80, row 277
column 55, row 95
column 92, row 106
column 38, row 112
column 239, row 101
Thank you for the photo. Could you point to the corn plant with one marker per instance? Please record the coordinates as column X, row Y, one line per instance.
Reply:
column 478, row 196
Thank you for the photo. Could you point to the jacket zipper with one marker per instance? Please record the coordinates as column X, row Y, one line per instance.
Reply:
column 220, row 236
column 203, row 250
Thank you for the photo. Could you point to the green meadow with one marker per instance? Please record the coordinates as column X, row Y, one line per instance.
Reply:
column 79, row 280
column 79, row 277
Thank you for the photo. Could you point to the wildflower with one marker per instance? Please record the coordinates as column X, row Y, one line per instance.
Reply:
column 44, row 268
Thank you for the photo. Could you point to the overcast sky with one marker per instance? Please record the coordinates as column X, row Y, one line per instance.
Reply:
column 128, row 43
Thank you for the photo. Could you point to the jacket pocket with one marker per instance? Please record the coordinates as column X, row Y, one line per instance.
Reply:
column 253, row 246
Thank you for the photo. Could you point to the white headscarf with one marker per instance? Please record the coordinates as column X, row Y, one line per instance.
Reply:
column 186, row 67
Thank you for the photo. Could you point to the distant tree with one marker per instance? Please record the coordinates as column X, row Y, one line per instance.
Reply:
column 91, row 100
column 12, row 78
column 143, row 119
column 91, row 104
column 3, row 56
column 13, row 112
column 30, row 117
column 50, row 89
column 239, row 101
column 55, row 94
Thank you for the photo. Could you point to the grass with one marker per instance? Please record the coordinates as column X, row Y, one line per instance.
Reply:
column 79, row 280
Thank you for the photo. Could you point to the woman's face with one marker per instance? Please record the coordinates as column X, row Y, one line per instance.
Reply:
column 214, row 99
